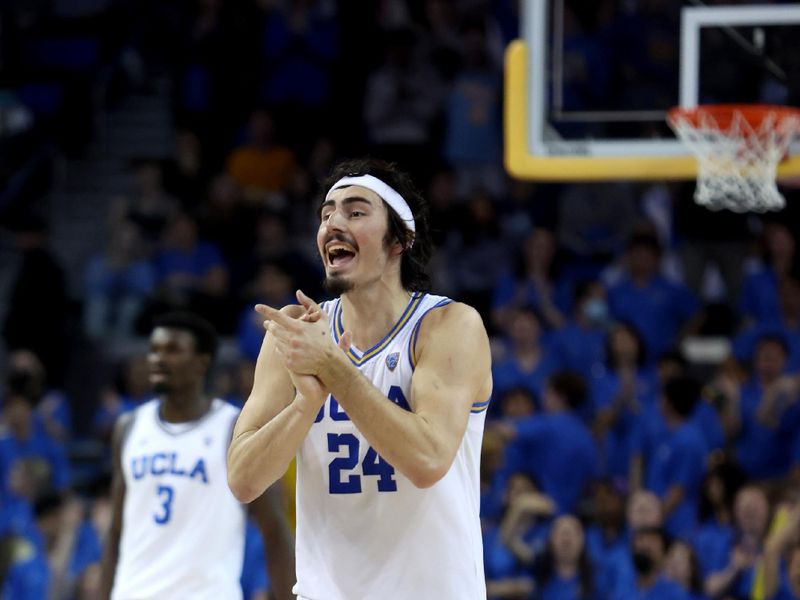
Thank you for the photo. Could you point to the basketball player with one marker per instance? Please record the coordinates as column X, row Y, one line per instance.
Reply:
column 381, row 394
column 177, row 532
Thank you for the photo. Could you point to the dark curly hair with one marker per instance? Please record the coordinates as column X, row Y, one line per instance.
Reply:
column 204, row 334
column 417, row 246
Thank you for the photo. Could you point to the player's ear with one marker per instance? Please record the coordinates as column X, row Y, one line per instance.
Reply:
column 396, row 247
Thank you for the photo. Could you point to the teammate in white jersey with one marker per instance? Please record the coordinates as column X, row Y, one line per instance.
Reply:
column 381, row 394
column 177, row 531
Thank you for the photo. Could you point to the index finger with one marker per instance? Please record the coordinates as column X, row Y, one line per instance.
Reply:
column 274, row 314
column 307, row 302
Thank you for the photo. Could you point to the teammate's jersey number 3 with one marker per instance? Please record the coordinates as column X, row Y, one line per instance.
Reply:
column 342, row 480
column 165, row 495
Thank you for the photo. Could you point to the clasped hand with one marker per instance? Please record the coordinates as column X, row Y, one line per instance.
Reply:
column 303, row 342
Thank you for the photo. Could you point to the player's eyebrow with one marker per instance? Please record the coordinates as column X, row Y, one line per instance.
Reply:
column 346, row 201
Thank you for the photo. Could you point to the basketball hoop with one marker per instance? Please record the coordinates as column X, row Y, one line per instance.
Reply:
column 738, row 148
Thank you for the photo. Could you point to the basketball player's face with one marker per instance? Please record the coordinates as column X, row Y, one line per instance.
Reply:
column 173, row 363
column 353, row 225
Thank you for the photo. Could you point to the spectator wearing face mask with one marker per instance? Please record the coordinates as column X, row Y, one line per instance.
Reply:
column 580, row 344
column 649, row 550
column 615, row 569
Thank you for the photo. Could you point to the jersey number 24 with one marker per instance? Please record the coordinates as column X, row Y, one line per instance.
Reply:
column 372, row 465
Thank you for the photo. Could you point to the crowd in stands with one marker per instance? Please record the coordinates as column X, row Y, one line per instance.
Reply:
column 613, row 468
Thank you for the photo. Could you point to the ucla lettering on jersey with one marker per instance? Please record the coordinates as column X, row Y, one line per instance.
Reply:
column 354, row 508
column 164, row 463
column 175, row 484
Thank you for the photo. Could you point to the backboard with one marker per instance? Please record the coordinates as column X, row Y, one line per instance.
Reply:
column 588, row 86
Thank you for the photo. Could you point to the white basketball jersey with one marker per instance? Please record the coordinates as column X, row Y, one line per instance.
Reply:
column 182, row 528
column 364, row 531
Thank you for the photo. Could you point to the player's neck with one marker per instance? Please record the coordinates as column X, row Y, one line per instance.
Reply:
column 369, row 313
column 182, row 407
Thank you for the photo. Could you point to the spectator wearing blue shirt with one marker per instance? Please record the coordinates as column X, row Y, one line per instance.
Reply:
column 759, row 297
column 659, row 308
column 299, row 43
column 531, row 282
column 616, row 572
column 511, row 547
column 556, row 448
column 737, row 576
column 273, row 286
column 715, row 532
column 22, row 439
column 53, row 413
column 683, row 568
column 472, row 140
column 580, row 345
column 626, row 390
column 71, row 545
column 761, row 426
column 605, row 536
column 563, row 571
column 784, row 324
column 516, row 404
column 706, row 414
column 191, row 273
column 25, row 575
column 131, row 387
column 649, row 550
column 526, row 362
column 676, row 468
column 117, row 283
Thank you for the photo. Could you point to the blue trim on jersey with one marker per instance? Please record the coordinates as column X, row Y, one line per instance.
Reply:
column 412, row 342
column 357, row 360
column 479, row 407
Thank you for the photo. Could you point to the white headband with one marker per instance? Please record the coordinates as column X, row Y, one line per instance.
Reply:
column 385, row 191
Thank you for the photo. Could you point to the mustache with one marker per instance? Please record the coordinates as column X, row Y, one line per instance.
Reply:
column 340, row 237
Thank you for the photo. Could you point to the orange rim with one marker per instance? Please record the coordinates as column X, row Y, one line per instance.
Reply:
column 723, row 114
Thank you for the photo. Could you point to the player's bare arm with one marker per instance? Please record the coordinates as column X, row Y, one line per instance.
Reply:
column 272, row 424
column 111, row 552
column 452, row 372
column 275, row 419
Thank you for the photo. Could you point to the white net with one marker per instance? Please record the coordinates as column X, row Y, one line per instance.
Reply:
column 737, row 160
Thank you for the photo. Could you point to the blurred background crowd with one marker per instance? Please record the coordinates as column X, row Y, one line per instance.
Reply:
column 643, row 439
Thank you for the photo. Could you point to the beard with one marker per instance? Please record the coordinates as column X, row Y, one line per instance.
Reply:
column 336, row 285
column 162, row 388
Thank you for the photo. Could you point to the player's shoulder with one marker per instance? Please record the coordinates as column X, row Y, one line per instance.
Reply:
column 129, row 416
column 452, row 314
column 125, row 422
column 451, row 323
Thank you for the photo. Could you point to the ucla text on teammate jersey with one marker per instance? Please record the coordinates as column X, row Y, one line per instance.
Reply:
column 168, row 463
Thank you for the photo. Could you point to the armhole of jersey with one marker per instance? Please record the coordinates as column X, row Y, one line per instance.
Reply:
column 127, row 427
column 477, row 407
column 412, row 340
